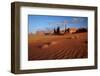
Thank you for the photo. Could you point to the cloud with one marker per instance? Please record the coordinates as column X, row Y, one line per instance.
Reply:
column 75, row 20
column 63, row 23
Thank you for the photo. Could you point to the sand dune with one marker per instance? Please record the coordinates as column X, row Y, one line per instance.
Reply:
column 69, row 46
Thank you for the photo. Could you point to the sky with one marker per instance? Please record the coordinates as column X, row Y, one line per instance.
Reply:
column 47, row 22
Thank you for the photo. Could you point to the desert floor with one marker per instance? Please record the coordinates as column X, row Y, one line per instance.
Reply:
column 49, row 47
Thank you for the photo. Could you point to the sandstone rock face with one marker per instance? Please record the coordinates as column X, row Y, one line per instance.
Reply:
column 40, row 33
column 73, row 30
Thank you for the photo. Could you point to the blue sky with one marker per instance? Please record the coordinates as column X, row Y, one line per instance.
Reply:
column 45, row 22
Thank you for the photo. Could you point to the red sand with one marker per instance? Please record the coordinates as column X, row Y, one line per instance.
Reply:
column 69, row 46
